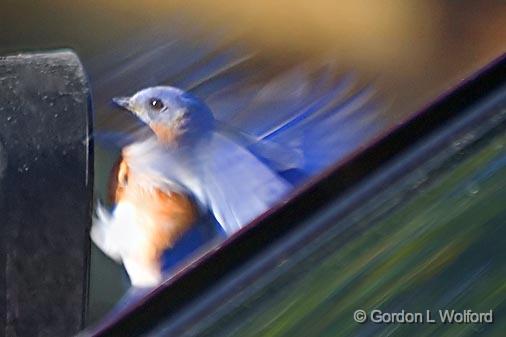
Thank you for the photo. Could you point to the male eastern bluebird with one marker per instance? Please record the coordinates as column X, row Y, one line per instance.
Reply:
column 193, row 165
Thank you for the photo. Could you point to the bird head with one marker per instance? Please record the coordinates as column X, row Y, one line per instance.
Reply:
column 173, row 114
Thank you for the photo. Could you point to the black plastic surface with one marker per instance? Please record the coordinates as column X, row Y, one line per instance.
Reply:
column 45, row 193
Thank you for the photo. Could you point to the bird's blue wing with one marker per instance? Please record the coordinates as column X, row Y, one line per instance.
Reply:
column 238, row 186
column 317, row 114
column 331, row 132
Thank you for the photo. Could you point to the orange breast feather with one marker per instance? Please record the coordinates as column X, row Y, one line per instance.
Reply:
column 164, row 215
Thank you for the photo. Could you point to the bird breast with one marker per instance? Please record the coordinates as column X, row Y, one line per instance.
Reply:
column 160, row 215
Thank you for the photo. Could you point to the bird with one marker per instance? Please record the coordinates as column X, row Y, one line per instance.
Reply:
column 161, row 185
column 191, row 169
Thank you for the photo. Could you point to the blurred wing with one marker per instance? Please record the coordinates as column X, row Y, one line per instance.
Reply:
column 103, row 235
column 331, row 131
column 238, row 186
column 279, row 157
column 314, row 116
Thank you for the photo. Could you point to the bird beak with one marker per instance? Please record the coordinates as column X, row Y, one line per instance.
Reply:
column 123, row 102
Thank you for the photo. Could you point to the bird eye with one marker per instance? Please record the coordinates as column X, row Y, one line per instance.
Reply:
column 156, row 104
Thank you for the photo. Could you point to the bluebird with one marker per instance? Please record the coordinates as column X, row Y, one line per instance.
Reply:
column 163, row 183
column 193, row 164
